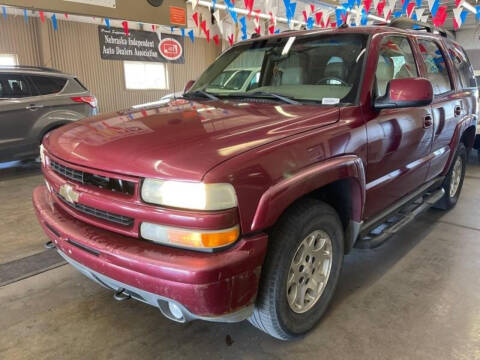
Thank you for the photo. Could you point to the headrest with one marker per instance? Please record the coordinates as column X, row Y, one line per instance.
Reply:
column 336, row 69
column 384, row 69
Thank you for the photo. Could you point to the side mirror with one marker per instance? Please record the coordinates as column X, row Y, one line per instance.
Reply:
column 409, row 92
column 189, row 85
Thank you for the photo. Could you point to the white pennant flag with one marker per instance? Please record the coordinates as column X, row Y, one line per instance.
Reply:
column 419, row 13
column 456, row 14
column 220, row 26
column 375, row 3
column 194, row 4
column 308, row 10
column 216, row 15
column 424, row 18
column 430, row 4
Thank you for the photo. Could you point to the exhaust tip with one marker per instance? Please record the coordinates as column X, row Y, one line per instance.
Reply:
column 49, row 245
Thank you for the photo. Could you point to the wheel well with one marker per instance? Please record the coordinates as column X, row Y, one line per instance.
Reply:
column 468, row 137
column 50, row 128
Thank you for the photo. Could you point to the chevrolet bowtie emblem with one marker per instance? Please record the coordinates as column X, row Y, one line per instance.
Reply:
column 67, row 192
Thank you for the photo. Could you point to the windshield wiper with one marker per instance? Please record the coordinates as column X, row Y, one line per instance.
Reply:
column 274, row 95
column 202, row 93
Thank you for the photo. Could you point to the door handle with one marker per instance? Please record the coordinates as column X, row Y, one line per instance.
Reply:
column 34, row 107
column 427, row 121
column 458, row 110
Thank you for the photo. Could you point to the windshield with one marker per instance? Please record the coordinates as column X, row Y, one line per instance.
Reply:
column 323, row 68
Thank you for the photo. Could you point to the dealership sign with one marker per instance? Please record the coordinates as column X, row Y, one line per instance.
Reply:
column 140, row 46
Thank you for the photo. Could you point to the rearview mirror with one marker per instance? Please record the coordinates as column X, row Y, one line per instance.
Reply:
column 409, row 92
column 188, row 86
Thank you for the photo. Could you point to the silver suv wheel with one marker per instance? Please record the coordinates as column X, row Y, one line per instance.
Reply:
column 456, row 176
column 309, row 271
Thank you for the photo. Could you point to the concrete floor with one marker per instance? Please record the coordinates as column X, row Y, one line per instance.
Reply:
column 416, row 297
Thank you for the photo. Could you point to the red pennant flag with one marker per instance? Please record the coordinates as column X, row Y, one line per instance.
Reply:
column 207, row 33
column 272, row 20
column 257, row 14
column 381, row 6
column 42, row 16
column 312, row 8
column 249, row 6
column 318, row 18
column 457, row 3
column 258, row 30
column 344, row 17
column 271, row 29
column 410, row 7
column 66, row 15
column 195, row 18
column 333, row 24
column 440, row 16
column 144, row 112
column 216, row 39
column 154, row 27
column 203, row 26
column 367, row 4
column 230, row 39
column 388, row 15
column 305, row 17
column 125, row 27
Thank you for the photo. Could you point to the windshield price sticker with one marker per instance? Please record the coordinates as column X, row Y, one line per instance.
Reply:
column 330, row 101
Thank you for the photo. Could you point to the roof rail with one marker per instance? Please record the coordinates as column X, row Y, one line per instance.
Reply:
column 406, row 23
column 29, row 67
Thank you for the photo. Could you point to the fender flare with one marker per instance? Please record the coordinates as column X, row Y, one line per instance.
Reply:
column 282, row 194
column 467, row 122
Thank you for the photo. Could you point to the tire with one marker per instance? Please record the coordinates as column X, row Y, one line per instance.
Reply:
column 450, row 185
column 273, row 313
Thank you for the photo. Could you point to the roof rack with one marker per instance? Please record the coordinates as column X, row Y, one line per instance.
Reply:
column 29, row 68
column 406, row 23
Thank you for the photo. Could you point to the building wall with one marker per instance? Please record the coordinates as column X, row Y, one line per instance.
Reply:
column 469, row 39
column 74, row 49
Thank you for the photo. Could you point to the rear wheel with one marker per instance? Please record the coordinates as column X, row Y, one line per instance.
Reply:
column 454, row 181
column 301, row 270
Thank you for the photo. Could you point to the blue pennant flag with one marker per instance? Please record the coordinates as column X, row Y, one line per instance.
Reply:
column 25, row 16
column 172, row 29
column 338, row 15
column 309, row 23
column 107, row 23
column 478, row 11
column 434, row 8
column 418, row 3
column 54, row 22
column 4, row 12
column 350, row 4
column 182, row 31
column 364, row 18
column 243, row 21
column 404, row 7
column 289, row 9
column 397, row 14
column 214, row 3
column 190, row 35
column 232, row 12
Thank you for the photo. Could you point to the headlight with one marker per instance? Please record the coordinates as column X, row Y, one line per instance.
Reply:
column 189, row 195
column 189, row 238
column 43, row 158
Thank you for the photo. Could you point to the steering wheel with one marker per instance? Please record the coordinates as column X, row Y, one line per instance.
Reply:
column 325, row 79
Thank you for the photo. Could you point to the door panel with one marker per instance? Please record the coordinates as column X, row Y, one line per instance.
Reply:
column 399, row 140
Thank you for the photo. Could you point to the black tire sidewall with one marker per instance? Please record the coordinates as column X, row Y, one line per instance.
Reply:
column 462, row 154
column 290, row 322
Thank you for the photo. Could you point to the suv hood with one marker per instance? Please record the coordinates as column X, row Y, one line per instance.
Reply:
column 182, row 139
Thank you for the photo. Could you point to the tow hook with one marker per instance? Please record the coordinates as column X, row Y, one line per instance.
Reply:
column 121, row 295
column 49, row 245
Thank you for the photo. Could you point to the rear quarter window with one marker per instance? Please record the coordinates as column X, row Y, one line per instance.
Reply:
column 462, row 65
column 48, row 84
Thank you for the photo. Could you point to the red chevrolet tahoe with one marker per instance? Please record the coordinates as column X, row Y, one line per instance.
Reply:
column 232, row 205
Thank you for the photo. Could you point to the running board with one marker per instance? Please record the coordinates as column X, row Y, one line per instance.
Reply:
column 378, row 235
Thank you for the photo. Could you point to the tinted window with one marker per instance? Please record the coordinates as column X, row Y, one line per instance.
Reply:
column 14, row 86
column 395, row 61
column 462, row 64
column 437, row 71
column 48, row 84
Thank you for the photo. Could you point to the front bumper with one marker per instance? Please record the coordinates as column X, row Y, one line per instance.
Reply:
column 210, row 286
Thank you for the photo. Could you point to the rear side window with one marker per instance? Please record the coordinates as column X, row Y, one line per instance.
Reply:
column 14, row 87
column 48, row 84
column 437, row 71
column 463, row 66
column 395, row 61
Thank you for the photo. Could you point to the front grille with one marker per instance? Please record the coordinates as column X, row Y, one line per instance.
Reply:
column 105, row 215
column 103, row 182
column 72, row 174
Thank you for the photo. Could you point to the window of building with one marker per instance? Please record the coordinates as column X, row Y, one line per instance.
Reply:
column 437, row 71
column 145, row 75
column 8, row 60
column 395, row 61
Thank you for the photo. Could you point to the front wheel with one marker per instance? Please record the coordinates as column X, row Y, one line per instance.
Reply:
column 301, row 270
column 454, row 181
